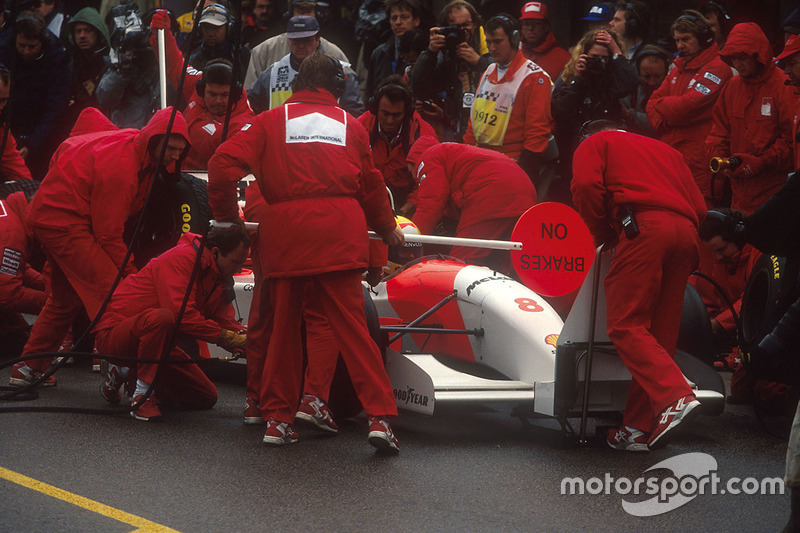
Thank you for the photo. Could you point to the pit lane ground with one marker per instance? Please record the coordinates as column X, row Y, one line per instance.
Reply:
column 465, row 469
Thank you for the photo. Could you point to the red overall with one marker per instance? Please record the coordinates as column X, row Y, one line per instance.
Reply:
column 95, row 183
column 680, row 110
column 753, row 119
column 391, row 160
column 21, row 287
column 205, row 129
column 321, row 347
column 313, row 165
column 547, row 55
column 487, row 190
column 647, row 280
column 141, row 315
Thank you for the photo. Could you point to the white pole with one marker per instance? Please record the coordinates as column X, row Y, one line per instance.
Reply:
column 432, row 239
column 162, row 66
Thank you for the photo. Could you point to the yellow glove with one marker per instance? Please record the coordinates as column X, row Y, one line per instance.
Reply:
column 231, row 341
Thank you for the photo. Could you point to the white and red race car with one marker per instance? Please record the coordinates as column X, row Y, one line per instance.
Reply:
column 460, row 334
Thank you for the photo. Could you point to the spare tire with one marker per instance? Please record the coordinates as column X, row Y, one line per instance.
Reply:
column 176, row 206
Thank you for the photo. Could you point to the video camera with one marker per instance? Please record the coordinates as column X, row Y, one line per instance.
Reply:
column 129, row 39
column 453, row 36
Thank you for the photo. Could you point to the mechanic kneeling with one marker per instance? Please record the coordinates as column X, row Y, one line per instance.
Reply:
column 142, row 314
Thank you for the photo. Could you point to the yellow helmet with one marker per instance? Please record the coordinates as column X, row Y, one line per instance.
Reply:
column 400, row 255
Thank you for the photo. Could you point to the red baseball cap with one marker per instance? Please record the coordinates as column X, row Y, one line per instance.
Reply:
column 534, row 10
column 791, row 47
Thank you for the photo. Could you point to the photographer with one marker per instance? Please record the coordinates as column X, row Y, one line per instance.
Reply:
column 453, row 64
column 215, row 25
column 128, row 93
column 593, row 81
column 385, row 60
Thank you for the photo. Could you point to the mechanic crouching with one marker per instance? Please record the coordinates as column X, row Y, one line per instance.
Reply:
column 637, row 195
column 142, row 317
column 96, row 182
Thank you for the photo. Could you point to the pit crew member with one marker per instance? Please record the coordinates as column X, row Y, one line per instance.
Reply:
column 312, row 163
column 486, row 190
column 141, row 318
column 96, row 182
column 207, row 92
column 752, row 120
column 638, row 193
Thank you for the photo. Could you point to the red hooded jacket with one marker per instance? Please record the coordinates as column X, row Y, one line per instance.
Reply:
column 754, row 117
column 98, row 180
column 680, row 109
column 391, row 160
column 616, row 167
column 21, row 287
column 547, row 55
column 162, row 283
column 481, row 184
column 314, row 168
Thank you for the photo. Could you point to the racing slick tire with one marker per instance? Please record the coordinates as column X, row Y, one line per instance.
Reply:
column 176, row 206
column 343, row 400
column 771, row 290
column 696, row 336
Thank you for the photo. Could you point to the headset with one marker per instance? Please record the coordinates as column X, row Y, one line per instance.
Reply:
column 391, row 85
column 236, row 85
column 510, row 26
column 718, row 7
column 635, row 24
column 706, row 36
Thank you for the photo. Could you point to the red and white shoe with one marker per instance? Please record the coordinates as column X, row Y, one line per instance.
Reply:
column 680, row 411
column 112, row 382
column 252, row 412
column 381, row 435
column 278, row 433
column 148, row 411
column 315, row 412
column 627, row 439
column 22, row 375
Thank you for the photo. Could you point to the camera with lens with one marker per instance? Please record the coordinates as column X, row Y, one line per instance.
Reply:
column 453, row 36
column 596, row 65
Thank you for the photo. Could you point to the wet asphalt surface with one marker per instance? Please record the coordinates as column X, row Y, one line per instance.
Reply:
column 464, row 469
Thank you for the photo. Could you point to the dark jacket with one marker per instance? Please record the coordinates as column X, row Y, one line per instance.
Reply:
column 87, row 67
column 585, row 98
column 204, row 53
column 39, row 96
column 435, row 74
column 383, row 62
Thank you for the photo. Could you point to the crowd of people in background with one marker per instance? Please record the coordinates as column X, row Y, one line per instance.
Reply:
column 472, row 115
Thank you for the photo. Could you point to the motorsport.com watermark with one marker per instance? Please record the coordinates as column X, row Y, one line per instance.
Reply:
column 693, row 474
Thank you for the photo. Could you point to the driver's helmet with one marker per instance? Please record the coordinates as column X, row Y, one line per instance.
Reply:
column 400, row 255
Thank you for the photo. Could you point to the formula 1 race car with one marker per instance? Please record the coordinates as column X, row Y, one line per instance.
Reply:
column 454, row 333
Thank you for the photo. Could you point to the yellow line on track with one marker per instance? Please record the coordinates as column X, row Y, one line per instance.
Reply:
column 144, row 526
